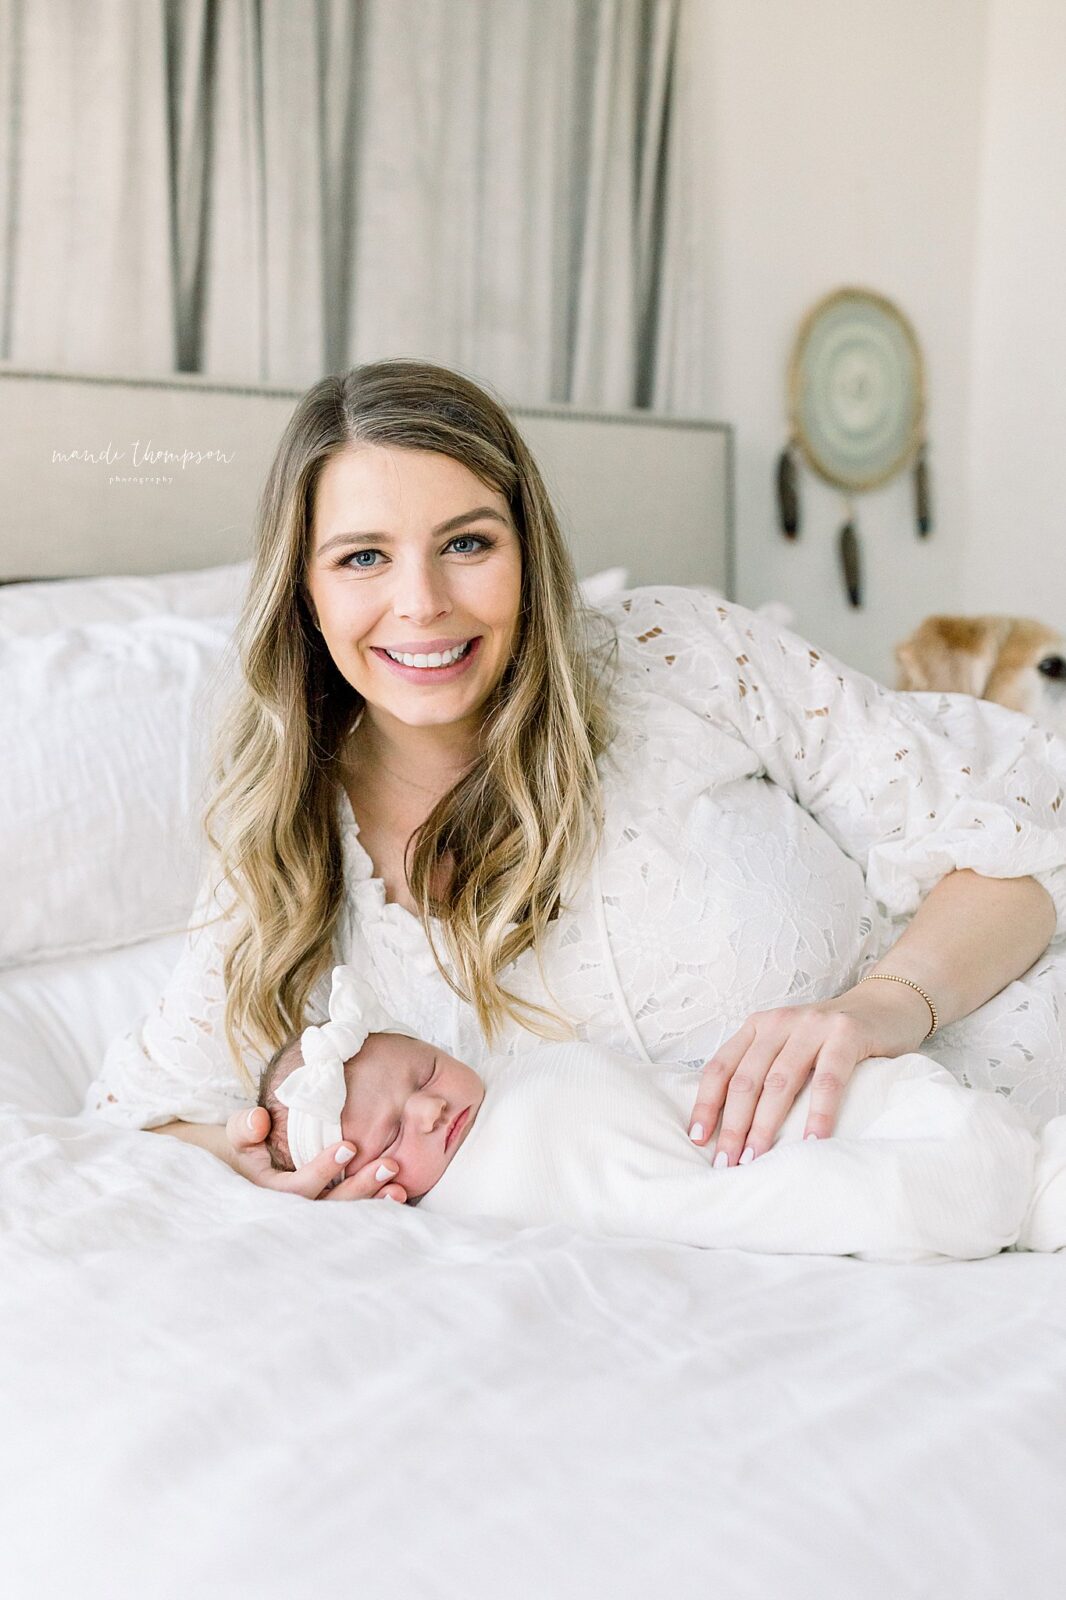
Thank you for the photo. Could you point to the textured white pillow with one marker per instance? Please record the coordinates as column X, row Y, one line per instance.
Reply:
column 36, row 608
column 105, row 733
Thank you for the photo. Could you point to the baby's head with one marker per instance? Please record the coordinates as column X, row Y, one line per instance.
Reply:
column 403, row 1098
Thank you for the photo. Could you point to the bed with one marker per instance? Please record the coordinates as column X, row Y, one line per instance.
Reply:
column 211, row 1389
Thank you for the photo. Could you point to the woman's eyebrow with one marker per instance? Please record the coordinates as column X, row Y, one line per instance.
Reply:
column 444, row 527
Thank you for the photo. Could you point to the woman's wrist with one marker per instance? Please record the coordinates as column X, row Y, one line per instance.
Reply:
column 896, row 1018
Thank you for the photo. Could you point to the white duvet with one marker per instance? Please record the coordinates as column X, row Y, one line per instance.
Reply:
column 211, row 1390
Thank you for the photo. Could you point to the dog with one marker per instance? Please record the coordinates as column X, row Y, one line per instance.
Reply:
column 1014, row 661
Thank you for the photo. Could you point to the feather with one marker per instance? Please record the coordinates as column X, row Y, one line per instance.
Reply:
column 922, row 505
column 788, row 494
column 851, row 563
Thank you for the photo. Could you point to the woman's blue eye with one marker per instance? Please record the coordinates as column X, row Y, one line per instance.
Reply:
column 366, row 560
column 471, row 538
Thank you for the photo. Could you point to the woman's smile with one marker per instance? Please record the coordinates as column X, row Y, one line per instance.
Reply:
column 429, row 666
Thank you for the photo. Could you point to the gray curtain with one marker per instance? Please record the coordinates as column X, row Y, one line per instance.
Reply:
column 266, row 190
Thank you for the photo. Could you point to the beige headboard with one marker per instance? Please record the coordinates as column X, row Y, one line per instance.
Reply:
column 127, row 475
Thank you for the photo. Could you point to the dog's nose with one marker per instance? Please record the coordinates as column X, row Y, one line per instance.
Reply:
column 1052, row 667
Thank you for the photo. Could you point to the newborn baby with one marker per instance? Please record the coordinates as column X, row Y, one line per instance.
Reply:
column 918, row 1167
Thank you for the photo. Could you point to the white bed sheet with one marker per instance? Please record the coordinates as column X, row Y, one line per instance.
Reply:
column 210, row 1389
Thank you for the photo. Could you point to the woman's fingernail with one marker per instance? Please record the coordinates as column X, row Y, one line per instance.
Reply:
column 344, row 1153
column 721, row 1159
column 696, row 1131
column 808, row 1137
column 749, row 1155
column 248, row 1118
column 384, row 1171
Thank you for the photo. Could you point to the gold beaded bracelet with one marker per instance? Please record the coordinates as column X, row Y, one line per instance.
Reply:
column 891, row 978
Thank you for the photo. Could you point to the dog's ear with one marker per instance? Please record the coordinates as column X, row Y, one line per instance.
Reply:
column 1028, row 644
column 953, row 654
column 911, row 673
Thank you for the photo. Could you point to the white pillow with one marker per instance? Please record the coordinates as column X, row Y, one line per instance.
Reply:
column 36, row 608
column 105, row 733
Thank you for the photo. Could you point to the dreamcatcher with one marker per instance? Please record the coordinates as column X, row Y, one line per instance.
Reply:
column 856, row 396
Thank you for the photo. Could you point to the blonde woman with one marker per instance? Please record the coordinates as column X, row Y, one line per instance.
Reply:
column 667, row 827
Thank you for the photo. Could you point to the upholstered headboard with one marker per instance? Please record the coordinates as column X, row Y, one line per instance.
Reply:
column 105, row 474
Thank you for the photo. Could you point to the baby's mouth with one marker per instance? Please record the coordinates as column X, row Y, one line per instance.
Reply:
column 456, row 1125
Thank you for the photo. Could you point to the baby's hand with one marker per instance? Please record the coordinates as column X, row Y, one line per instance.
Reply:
column 246, row 1132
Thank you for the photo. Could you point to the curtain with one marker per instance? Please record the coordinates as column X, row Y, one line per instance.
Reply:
column 265, row 190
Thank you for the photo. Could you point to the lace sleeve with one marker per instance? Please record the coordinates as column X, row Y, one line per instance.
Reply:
column 176, row 1065
column 912, row 786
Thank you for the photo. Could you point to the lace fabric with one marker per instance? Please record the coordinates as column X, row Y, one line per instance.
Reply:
column 772, row 819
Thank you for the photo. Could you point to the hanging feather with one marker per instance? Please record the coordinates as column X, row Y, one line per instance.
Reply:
column 922, row 506
column 850, row 561
column 788, row 494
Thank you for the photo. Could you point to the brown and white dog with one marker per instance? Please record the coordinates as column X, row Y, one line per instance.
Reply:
column 1012, row 660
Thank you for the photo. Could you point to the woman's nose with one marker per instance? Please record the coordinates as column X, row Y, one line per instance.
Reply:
column 421, row 595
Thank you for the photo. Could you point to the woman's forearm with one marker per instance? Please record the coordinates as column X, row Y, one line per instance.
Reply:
column 969, row 938
column 208, row 1135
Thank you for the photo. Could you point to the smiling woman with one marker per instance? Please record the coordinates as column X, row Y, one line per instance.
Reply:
column 416, row 608
column 667, row 828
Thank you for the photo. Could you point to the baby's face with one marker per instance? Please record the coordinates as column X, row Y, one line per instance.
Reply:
column 404, row 1097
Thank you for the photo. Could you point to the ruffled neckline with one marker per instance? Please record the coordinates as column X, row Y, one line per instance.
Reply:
column 369, row 891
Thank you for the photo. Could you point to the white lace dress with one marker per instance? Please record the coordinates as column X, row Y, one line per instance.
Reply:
column 772, row 820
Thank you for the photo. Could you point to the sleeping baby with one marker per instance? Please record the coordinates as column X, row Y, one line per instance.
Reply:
column 918, row 1167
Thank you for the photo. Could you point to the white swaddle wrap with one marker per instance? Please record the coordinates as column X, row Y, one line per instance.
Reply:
column 918, row 1168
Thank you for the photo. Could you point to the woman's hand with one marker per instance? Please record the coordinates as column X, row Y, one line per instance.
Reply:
column 334, row 1170
column 754, row 1077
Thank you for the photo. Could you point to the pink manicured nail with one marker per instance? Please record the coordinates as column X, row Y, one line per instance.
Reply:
column 721, row 1159
column 808, row 1137
column 343, row 1154
column 248, row 1118
column 749, row 1155
column 696, row 1131
column 384, row 1172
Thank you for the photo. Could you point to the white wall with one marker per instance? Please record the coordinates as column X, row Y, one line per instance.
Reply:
column 1017, row 507
column 843, row 146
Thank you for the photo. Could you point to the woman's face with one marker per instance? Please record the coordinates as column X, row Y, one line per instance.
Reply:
column 412, row 555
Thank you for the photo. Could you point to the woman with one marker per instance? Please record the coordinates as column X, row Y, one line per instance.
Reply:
column 441, row 771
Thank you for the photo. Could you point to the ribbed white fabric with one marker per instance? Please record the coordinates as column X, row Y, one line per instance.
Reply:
column 919, row 1168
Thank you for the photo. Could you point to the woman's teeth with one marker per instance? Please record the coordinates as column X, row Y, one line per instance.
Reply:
column 436, row 659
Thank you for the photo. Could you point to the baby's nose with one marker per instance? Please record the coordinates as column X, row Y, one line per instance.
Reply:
column 434, row 1113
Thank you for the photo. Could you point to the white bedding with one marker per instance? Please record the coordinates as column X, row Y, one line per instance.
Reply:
column 209, row 1389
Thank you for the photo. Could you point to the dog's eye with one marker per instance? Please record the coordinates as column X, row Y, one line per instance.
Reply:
column 1052, row 667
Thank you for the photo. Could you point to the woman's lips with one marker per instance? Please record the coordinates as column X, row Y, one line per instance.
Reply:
column 428, row 677
column 456, row 1126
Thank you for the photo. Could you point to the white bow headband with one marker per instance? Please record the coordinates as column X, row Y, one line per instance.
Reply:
column 314, row 1094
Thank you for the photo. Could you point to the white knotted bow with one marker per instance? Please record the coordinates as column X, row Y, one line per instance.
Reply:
column 315, row 1093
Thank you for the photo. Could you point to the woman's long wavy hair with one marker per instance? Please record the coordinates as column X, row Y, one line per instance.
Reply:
column 514, row 833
